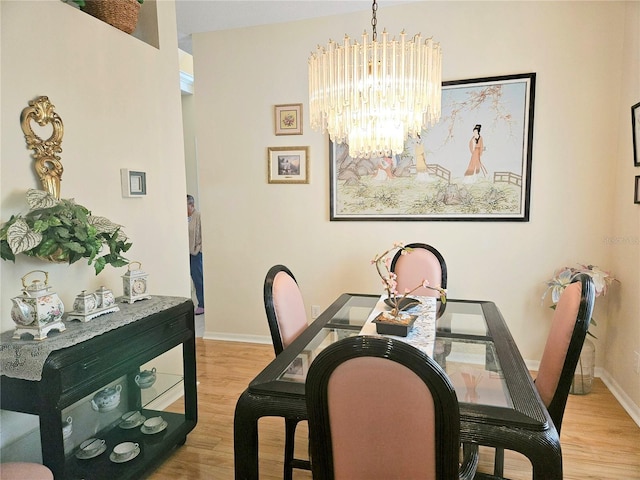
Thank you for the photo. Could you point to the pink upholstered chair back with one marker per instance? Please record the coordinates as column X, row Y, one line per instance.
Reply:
column 380, row 409
column 557, row 346
column 420, row 264
column 397, row 421
column 289, row 308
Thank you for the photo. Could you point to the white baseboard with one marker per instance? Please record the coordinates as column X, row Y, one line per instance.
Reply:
column 232, row 337
column 629, row 405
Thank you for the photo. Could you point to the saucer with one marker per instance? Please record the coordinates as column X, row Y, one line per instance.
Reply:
column 127, row 425
column 82, row 455
column 114, row 459
column 149, row 431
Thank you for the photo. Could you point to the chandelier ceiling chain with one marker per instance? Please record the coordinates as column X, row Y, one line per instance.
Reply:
column 374, row 94
column 374, row 20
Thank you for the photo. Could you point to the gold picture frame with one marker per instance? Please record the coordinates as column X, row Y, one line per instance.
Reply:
column 288, row 119
column 288, row 164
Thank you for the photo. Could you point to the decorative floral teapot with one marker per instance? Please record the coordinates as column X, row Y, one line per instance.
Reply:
column 107, row 399
column 37, row 305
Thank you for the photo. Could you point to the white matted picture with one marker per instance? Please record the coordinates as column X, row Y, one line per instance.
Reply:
column 288, row 119
column 134, row 184
column 288, row 164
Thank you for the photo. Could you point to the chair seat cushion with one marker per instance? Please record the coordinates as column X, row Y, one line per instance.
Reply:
column 24, row 471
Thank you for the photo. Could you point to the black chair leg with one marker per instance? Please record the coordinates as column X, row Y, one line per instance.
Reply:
column 498, row 465
column 289, row 442
column 469, row 463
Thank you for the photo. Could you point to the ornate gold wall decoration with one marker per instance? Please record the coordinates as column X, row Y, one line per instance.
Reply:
column 48, row 165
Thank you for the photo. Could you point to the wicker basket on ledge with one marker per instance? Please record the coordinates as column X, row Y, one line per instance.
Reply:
column 122, row 14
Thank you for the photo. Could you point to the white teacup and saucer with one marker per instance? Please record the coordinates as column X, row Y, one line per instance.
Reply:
column 125, row 451
column 154, row 425
column 90, row 448
column 131, row 419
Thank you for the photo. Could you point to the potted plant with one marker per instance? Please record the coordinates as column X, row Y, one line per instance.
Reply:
column 122, row 14
column 397, row 322
column 62, row 231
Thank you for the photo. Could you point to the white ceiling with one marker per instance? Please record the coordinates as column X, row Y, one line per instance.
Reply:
column 197, row 16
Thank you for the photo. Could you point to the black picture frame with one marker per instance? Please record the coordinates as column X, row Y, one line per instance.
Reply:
column 636, row 195
column 635, row 127
column 504, row 106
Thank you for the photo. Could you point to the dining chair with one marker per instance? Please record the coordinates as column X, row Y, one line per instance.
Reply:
column 423, row 262
column 287, row 319
column 379, row 409
column 561, row 353
column 24, row 471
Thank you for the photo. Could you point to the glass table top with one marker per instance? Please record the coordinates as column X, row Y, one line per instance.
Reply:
column 462, row 348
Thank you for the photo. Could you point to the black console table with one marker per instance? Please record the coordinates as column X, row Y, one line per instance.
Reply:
column 78, row 363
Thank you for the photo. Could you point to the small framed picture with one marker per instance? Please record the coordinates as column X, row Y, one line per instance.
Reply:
column 635, row 125
column 288, row 164
column 134, row 184
column 288, row 119
column 636, row 195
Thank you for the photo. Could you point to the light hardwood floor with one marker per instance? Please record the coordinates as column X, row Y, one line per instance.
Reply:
column 599, row 439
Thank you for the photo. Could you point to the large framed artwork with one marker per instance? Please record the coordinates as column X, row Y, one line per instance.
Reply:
column 474, row 164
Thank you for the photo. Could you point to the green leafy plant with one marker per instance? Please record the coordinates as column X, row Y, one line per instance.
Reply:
column 63, row 231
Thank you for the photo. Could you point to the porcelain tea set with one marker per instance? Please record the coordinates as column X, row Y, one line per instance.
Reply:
column 87, row 306
column 38, row 310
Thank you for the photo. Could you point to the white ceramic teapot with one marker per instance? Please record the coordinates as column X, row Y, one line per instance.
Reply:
column 107, row 399
column 37, row 305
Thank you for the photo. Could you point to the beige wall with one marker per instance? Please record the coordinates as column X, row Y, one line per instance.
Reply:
column 581, row 174
column 119, row 99
column 623, row 323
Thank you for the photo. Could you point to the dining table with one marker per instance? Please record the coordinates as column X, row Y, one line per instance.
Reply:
column 470, row 340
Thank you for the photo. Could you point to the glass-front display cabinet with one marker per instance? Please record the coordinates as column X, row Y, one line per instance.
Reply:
column 111, row 407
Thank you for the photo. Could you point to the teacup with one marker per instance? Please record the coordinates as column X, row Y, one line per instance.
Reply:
column 67, row 427
column 124, row 450
column 91, row 445
column 131, row 417
column 154, row 424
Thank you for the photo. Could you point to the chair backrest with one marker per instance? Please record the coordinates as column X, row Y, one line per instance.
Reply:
column 380, row 409
column 284, row 305
column 564, row 344
column 424, row 262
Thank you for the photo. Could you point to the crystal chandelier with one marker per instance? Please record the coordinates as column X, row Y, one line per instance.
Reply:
column 374, row 94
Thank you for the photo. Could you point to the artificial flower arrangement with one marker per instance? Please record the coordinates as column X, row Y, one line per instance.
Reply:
column 602, row 280
column 390, row 283
column 63, row 231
